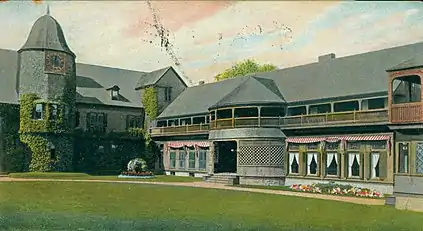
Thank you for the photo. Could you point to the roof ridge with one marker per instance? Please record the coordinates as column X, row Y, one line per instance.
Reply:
column 279, row 93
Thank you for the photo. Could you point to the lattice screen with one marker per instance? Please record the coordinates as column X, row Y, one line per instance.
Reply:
column 419, row 158
column 261, row 153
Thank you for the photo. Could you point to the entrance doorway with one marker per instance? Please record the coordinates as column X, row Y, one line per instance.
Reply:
column 225, row 159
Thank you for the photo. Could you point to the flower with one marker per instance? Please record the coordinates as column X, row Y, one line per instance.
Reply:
column 336, row 189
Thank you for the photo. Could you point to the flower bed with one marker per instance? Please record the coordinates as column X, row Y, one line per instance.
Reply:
column 337, row 189
column 136, row 174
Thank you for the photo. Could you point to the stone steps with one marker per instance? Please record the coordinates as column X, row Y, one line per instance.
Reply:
column 390, row 201
column 231, row 179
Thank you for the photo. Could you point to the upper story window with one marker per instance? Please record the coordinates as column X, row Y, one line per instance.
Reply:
column 295, row 111
column 407, row 89
column 114, row 92
column 133, row 121
column 168, row 93
column 38, row 111
column 96, row 122
column 376, row 103
column 54, row 112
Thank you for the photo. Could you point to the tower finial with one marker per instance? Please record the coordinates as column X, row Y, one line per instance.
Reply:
column 48, row 9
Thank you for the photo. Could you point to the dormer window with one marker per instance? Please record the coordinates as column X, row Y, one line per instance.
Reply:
column 114, row 92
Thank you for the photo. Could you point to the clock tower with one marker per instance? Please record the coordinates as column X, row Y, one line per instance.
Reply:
column 47, row 89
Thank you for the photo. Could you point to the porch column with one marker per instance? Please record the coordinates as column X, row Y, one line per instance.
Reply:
column 259, row 116
column 1, row 146
column 210, row 158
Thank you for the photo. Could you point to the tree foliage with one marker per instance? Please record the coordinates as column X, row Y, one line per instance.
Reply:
column 243, row 68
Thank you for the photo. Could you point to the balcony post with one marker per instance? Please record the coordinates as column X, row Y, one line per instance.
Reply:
column 233, row 117
column 259, row 116
column 201, row 125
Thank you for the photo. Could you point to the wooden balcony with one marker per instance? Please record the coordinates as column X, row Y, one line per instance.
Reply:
column 180, row 130
column 407, row 113
column 325, row 119
column 336, row 118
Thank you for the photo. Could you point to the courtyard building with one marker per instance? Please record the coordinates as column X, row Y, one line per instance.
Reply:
column 352, row 120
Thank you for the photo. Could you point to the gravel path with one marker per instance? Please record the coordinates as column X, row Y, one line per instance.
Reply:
column 355, row 200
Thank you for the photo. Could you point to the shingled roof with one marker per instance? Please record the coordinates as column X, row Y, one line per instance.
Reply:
column 252, row 90
column 415, row 62
column 92, row 82
column 330, row 78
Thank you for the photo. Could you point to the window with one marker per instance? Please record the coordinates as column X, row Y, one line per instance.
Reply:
column 182, row 155
column 321, row 108
column 312, row 163
column 115, row 94
column 77, row 119
column 224, row 114
column 202, row 159
column 172, row 159
column 272, row 112
column 133, row 121
column 294, row 163
column 53, row 112
column 199, row 120
column 96, row 122
column 185, row 121
column 168, row 93
column 374, row 164
column 52, row 150
column 38, row 111
column 406, row 89
column 376, row 103
column 403, row 157
column 191, row 163
column 353, row 165
column 419, row 158
column 294, row 111
column 346, row 106
column 246, row 112
column 332, row 164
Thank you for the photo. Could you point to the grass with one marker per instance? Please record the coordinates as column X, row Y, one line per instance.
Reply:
column 109, row 206
column 84, row 176
column 287, row 188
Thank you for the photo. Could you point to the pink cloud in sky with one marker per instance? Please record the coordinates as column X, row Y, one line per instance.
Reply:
column 173, row 14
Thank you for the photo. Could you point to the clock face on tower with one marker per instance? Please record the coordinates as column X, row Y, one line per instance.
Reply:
column 55, row 63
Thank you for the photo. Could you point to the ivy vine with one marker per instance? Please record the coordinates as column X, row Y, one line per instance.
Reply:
column 150, row 102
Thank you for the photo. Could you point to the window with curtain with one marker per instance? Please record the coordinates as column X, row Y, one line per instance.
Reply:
column 332, row 164
column 191, row 163
column 294, row 163
column 374, row 165
column 38, row 111
column 182, row 155
column 312, row 163
column 172, row 159
column 202, row 159
column 353, row 165
column 403, row 157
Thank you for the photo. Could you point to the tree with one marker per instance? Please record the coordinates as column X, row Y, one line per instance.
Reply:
column 243, row 68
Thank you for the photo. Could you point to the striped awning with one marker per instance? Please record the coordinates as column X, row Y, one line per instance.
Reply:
column 315, row 139
column 180, row 144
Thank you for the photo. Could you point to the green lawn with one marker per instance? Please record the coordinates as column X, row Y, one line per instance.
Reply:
column 84, row 176
column 111, row 206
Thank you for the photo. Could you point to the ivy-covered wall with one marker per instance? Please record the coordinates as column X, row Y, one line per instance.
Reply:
column 150, row 102
column 49, row 140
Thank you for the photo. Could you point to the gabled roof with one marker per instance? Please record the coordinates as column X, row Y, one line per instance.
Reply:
column 415, row 62
column 151, row 78
column 354, row 75
column 93, row 81
column 251, row 91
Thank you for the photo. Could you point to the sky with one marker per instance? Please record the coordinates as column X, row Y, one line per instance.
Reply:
column 202, row 38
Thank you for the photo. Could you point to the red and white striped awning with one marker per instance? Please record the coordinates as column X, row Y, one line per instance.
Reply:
column 180, row 144
column 315, row 139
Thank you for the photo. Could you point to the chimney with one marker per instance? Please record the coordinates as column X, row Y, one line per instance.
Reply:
column 327, row 57
column 201, row 82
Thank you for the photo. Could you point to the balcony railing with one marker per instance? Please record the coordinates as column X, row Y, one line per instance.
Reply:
column 324, row 119
column 183, row 129
column 352, row 117
column 407, row 113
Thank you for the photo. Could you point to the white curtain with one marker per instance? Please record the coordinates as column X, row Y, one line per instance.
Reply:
column 358, row 158
column 291, row 160
column 309, row 159
column 350, row 163
column 375, row 160
column 336, row 158
column 329, row 159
